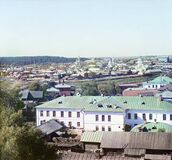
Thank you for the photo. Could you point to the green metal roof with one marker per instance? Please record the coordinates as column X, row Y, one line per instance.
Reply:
column 153, row 127
column 162, row 80
column 86, row 103
column 165, row 94
column 144, row 103
column 94, row 137
column 108, row 103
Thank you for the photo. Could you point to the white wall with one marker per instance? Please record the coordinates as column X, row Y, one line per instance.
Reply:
column 155, row 115
column 116, row 123
column 152, row 86
column 74, row 119
column 87, row 119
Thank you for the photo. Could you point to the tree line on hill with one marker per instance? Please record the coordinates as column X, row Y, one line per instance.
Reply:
column 94, row 89
column 36, row 60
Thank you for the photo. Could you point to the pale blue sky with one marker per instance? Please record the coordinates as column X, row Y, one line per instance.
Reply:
column 85, row 27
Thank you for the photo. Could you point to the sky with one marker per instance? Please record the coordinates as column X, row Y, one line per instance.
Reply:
column 86, row 28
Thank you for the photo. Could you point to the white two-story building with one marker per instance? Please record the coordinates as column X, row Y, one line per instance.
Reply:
column 158, row 82
column 104, row 113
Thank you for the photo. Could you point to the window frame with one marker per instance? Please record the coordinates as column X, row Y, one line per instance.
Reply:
column 150, row 116
column 78, row 114
column 164, row 117
column 96, row 117
column 69, row 114
column 41, row 113
column 47, row 113
column 54, row 113
column 61, row 113
column 135, row 116
column 109, row 118
column 128, row 115
column 103, row 118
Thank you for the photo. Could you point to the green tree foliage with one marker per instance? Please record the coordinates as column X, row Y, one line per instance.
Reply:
column 118, row 90
column 127, row 128
column 90, row 89
column 36, row 59
column 34, row 86
column 107, row 89
column 11, row 99
column 20, row 140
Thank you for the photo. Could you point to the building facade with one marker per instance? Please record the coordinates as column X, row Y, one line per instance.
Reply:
column 158, row 82
column 104, row 113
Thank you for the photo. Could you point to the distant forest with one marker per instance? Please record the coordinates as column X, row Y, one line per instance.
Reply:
column 36, row 60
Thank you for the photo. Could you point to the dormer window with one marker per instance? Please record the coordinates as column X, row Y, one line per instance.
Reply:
column 109, row 106
column 100, row 105
column 143, row 103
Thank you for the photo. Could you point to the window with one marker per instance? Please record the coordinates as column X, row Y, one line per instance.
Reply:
column 103, row 128
column 97, row 128
column 129, row 115
column 42, row 122
column 48, row 113
column 78, row 114
column 109, row 118
column 164, row 117
column 109, row 128
column 54, row 113
column 144, row 116
column 69, row 114
column 103, row 117
column 150, row 116
column 70, row 124
column 135, row 115
column 41, row 113
column 97, row 117
column 62, row 113
column 78, row 124
column 170, row 116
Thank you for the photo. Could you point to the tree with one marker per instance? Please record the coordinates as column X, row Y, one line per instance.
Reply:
column 11, row 99
column 107, row 89
column 20, row 140
column 34, row 86
column 118, row 90
column 89, row 89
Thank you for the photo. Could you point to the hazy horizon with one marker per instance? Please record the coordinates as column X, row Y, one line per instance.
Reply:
column 92, row 28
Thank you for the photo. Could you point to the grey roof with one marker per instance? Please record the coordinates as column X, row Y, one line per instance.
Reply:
column 116, row 140
column 37, row 94
column 134, row 152
column 150, row 140
column 26, row 94
column 137, row 140
column 50, row 127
